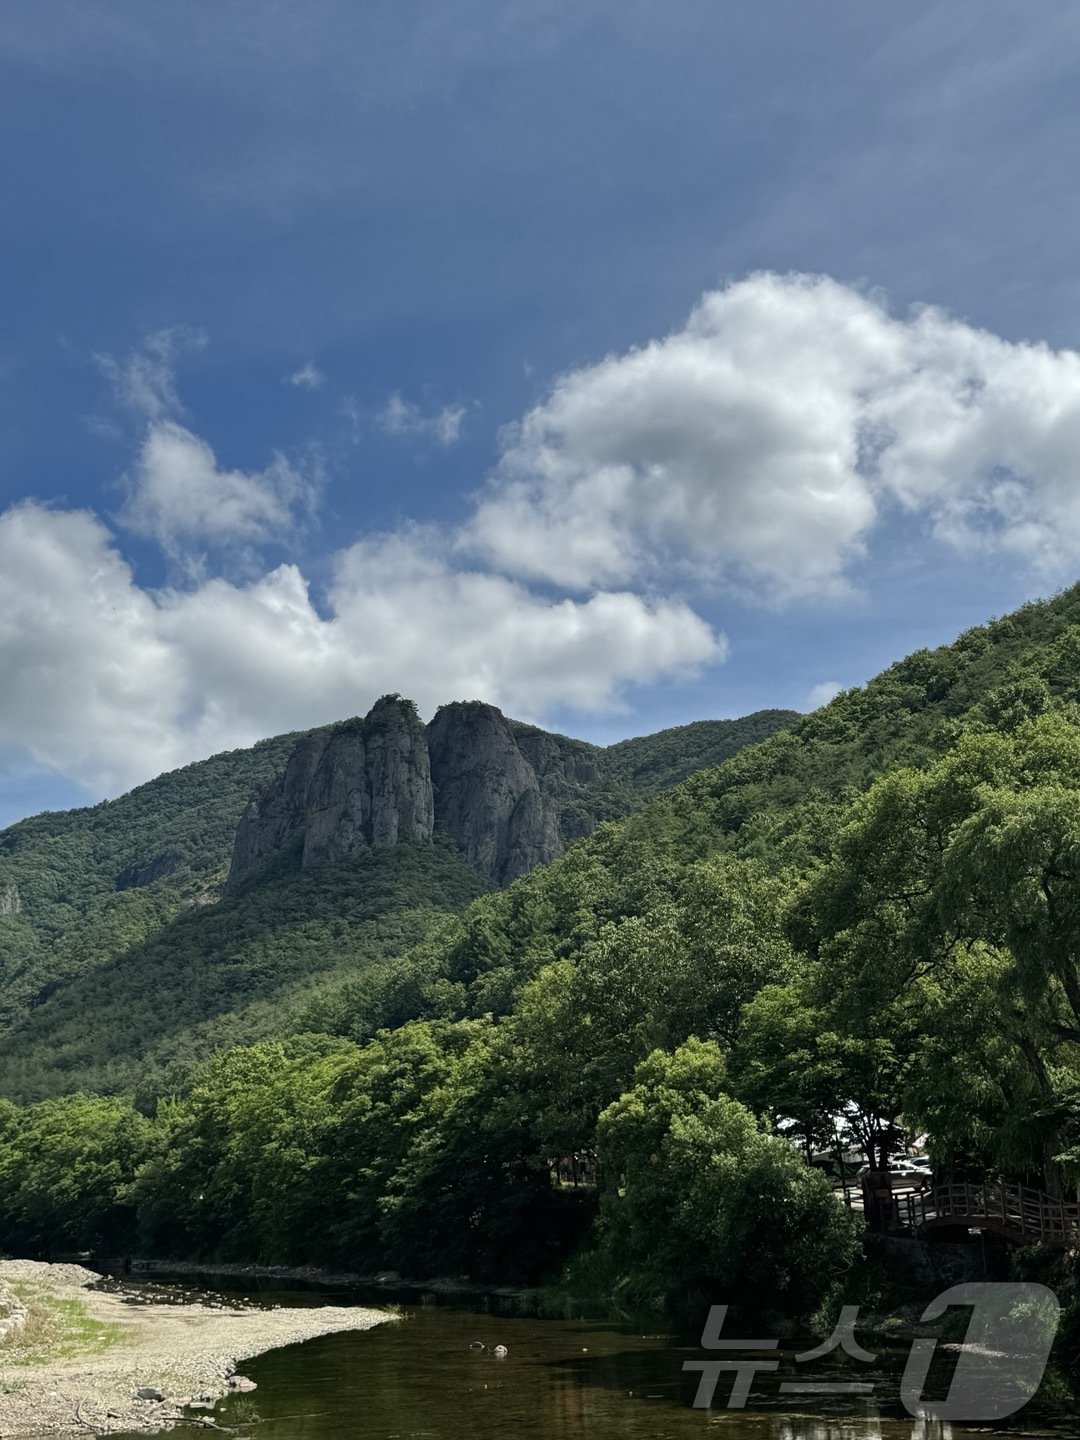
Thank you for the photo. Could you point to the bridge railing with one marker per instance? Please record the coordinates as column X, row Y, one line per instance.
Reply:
column 1018, row 1211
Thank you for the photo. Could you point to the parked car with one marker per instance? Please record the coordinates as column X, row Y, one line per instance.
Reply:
column 902, row 1174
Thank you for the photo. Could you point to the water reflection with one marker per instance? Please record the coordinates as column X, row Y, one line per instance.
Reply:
column 434, row 1374
column 870, row 1427
column 561, row 1380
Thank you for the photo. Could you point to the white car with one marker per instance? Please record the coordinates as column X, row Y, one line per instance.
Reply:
column 901, row 1173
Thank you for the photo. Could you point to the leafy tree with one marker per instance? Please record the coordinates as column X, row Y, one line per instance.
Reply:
column 954, row 892
column 699, row 1199
column 66, row 1171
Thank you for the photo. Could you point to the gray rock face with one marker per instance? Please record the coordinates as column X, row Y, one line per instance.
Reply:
column 491, row 785
column 561, row 765
column 487, row 795
column 146, row 872
column 372, row 786
column 366, row 782
column 278, row 815
column 10, row 902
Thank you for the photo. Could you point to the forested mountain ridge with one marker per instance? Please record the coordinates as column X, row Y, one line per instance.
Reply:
column 780, row 803
column 509, row 796
column 780, row 800
column 89, row 883
column 117, row 952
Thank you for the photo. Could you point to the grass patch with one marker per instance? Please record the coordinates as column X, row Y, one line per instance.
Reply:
column 56, row 1330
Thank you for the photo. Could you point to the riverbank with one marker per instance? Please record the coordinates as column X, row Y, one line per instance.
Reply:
column 83, row 1355
column 388, row 1280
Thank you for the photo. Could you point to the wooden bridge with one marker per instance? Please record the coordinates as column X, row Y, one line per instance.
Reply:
column 1022, row 1215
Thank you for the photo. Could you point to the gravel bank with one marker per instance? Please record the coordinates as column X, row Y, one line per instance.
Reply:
column 186, row 1352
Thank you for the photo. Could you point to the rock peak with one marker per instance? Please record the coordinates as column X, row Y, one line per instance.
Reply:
column 488, row 784
column 364, row 782
column 488, row 796
column 372, row 785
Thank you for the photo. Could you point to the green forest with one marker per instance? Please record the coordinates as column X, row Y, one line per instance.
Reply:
column 868, row 922
column 125, row 961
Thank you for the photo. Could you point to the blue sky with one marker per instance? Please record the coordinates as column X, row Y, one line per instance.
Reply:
column 623, row 364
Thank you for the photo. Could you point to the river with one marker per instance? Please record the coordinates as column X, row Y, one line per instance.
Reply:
column 425, row 1378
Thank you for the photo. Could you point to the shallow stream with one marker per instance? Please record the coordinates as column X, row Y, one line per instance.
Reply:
column 425, row 1378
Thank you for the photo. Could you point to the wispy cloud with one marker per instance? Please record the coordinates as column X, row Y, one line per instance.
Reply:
column 144, row 381
column 401, row 417
column 178, row 494
column 308, row 377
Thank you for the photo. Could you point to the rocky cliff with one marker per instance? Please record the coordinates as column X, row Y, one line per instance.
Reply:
column 508, row 795
column 490, row 785
column 276, row 817
column 10, row 903
column 372, row 785
column 364, row 782
column 488, row 796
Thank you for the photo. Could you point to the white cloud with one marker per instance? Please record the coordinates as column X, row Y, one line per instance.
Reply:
column 762, row 445
column 763, row 442
column 79, row 650
column 822, row 693
column 401, row 417
column 308, row 377
column 109, row 683
column 179, row 495
column 466, row 632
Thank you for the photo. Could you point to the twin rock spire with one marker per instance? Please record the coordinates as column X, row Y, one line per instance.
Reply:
column 491, row 785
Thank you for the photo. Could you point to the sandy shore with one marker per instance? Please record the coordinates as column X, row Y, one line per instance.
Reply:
column 80, row 1368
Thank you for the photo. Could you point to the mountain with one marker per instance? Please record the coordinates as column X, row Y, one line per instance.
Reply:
column 210, row 905
column 124, row 950
column 508, row 796
column 80, row 886
column 779, row 803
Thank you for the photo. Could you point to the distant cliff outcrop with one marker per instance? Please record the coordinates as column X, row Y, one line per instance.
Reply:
column 490, row 785
column 489, row 798
column 372, row 785
column 364, row 782
column 10, row 903
column 509, row 796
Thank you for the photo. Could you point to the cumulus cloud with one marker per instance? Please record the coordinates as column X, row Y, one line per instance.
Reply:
column 763, row 442
column 471, row 632
column 308, row 377
column 110, row 683
column 401, row 417
column 180, row 496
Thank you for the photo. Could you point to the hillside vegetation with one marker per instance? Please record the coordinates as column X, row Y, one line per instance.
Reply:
column 90, row 884
column 124, row 962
